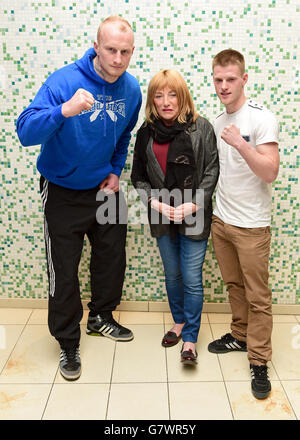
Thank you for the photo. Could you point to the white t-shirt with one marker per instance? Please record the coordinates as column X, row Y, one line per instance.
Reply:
column 242, row 198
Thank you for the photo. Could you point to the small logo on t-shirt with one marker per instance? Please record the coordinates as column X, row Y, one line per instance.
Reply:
column 246, row 137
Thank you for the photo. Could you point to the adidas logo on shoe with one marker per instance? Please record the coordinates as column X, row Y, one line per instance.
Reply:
column 100, row 326
column 226, row 344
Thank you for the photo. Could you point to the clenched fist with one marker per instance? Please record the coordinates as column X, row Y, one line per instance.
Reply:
column 232, row 136
column 81, row 100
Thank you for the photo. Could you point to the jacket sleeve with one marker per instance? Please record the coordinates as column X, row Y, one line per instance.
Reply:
column 120, row 154
column 211, row 165
column 41, row 119
column 139, row 175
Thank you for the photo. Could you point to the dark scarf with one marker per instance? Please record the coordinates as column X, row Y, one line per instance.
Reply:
column 181, row 166
column 180, row 172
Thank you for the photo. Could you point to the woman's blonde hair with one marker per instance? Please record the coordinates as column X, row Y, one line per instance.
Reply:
column 173, row 80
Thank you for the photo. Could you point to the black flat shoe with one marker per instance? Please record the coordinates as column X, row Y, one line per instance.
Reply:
column 188, row 357
column 170, row 339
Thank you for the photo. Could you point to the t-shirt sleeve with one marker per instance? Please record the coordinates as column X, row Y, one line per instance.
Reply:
column 267, row 129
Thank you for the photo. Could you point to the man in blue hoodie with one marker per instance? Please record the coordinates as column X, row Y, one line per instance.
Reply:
column 83, row 116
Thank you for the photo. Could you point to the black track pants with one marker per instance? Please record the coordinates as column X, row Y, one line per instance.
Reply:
column 69, row 215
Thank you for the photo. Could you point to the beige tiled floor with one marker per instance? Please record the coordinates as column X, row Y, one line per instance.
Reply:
column 140, row 380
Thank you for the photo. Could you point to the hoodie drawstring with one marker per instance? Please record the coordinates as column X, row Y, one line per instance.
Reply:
column 104, row 96
column 115, row 135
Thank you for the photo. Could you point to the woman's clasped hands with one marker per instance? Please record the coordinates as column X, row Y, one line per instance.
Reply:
column 174, row 214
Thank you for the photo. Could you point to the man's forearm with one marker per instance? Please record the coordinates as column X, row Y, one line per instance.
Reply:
column 265, row 166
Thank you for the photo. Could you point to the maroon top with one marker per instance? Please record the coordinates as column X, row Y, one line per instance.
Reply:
column 161, row 152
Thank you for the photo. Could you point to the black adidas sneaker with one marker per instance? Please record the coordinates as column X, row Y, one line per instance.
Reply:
column 70, row 363
column 226, row 344
column 260, row 383
column 107, row 326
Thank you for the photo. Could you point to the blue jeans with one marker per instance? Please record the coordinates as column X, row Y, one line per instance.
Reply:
column 183, row 260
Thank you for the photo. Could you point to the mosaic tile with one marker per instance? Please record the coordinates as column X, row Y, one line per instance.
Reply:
column 38, row 37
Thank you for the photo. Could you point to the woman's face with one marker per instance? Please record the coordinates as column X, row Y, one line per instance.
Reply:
column 166, row 105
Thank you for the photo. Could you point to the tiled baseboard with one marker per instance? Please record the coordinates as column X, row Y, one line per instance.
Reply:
column 145, row 306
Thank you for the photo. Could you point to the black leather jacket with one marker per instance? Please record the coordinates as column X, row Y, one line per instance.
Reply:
column 147, row 174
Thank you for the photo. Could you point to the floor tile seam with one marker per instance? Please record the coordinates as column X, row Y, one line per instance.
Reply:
column 47, row 401
column 195, row 381
column 76, row 382
column 110, row 381
column 220, row 365
column 288, row 399
column 247, row 381
column 14, row 346
column 19, row 323
column 290, row 380
column 29, row 324
column 223, row 377
column 28, row 319
column 14, row 323
column 167, row 373
column 282, row 378
column 278, row 375
column 140, row 382
column 170, row 382
column 26, row 383
column 210, row 320
column 229, row 401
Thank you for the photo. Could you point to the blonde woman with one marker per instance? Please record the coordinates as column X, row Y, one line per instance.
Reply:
column 176, row 152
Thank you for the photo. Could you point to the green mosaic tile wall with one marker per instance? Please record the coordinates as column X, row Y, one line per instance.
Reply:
column 38, row 37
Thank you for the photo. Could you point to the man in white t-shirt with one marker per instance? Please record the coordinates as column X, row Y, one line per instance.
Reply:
column 247, row 136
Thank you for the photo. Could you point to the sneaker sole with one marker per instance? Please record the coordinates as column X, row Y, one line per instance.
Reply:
column 93, row 333
column 70, row 378
column 259, row 395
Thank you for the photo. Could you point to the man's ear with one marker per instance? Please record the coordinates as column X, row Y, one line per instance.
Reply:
column 245, row 78
column 96, row 47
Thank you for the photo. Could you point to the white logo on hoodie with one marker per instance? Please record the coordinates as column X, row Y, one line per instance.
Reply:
column 112, row 108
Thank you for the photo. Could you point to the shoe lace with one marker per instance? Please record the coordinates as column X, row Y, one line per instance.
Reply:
column 227, row 338
column 260, row 371
column 111, row 322
column 71, row 355
column 114, row 324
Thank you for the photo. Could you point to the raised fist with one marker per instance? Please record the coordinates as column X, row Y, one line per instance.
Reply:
column 81, row 100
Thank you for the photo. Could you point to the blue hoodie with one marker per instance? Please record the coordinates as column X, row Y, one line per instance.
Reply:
column 80, row 151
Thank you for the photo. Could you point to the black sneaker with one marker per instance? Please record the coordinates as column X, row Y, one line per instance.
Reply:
column 260, row 383
column 70, row 363
column 100, row 326
column 226, row 344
